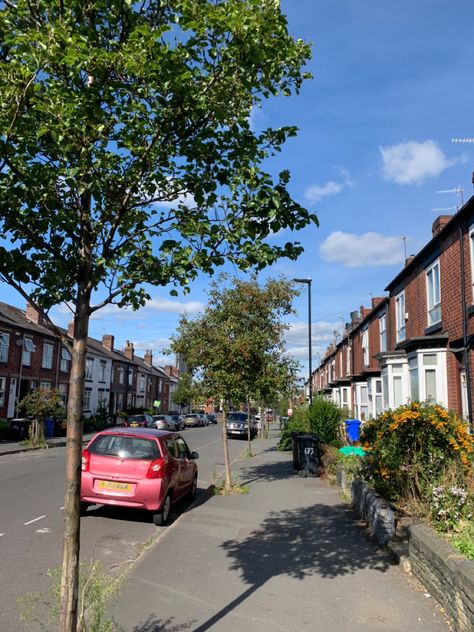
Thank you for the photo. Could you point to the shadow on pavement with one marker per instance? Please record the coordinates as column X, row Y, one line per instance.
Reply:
column 316, row 540
column 268, row 472
column 153, row 624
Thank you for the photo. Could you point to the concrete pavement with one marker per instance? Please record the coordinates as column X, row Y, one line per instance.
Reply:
column 288, row 555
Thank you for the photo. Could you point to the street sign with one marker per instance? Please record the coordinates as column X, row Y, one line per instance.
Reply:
column 157, row 403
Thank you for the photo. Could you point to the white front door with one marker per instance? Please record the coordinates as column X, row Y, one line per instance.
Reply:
column 464, row 404
column 11, row 397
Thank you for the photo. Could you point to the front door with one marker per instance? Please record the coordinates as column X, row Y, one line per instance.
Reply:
column 11, row 398
column 464, row 404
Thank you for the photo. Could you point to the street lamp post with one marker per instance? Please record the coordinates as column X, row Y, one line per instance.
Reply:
column 310, row 384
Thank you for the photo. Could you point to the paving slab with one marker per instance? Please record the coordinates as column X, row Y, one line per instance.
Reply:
column 288, row 555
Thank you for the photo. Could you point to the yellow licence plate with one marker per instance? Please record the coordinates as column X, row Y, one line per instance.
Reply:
column 134, row 425
column 114, row 485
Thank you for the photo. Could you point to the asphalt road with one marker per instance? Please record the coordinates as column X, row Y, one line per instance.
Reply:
column 31, row 520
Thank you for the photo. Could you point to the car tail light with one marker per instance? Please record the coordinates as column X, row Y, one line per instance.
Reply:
column 86, row 459
column 156, row 469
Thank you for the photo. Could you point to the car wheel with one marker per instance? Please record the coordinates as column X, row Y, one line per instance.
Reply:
column 83, row 508
column 193, row 490
column 161, row 517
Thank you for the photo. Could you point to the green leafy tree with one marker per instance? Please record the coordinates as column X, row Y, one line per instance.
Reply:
column 184, row 393
column 40, row 404
column 235, row 341
column 127, row 158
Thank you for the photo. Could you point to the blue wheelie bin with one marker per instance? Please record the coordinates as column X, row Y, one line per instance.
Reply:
column 353, row 429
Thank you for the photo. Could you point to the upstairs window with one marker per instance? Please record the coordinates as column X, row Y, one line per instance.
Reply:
column 400, row 316
column 365, row 346
column 4, row 344
column 102, row 370
column 28, row 349
column 47, row 360
column 65, row 360
column 383, row 332
column 433, row 294
column 89, row 368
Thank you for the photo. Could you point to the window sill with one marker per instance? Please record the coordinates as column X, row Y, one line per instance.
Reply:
column 432, row 329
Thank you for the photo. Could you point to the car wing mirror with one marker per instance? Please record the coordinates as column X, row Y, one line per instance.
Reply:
column 194, row 455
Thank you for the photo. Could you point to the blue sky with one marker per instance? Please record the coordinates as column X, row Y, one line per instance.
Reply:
column 392, row 86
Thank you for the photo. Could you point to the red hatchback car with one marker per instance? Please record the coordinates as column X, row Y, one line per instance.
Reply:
column 140, row 468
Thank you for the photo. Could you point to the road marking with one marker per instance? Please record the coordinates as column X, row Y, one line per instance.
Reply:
column 1, row 534
column 61, row 508
column 44, row 530
column 35, row 520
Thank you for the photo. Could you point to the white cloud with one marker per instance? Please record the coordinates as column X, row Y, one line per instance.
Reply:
column 369, row 249
column 155, row 305
column 296, row 337
column 413, row 162
column 316, row 192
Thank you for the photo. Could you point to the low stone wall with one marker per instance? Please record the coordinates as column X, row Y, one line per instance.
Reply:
column 447, row 575
column 376, row 512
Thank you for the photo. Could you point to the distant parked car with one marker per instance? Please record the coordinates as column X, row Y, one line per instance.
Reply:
column 179, row 421
column 237, row 425
column 139, row 421
column 192, row 420
column 140, row 468
column 212, row 418
column 163, row 422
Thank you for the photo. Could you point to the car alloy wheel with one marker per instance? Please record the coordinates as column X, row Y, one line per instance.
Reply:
column 162, row 517
column 193, row 490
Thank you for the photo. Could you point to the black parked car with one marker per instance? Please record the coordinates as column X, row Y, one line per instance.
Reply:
column 237, row 425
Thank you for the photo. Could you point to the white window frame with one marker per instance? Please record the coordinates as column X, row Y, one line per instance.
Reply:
column 3, row 390
column 141, row 383
column 433, row 293
column 440, row 369
column 45, row 386
column 383, row 332
column 89, row 368
column 27, row 349
column 65, row 360
column 47, row 358
column 365, row 346
column 87, row 398
column 121, row 374
column 348, row 359
column 471, row 248
column 395, row 368
column 102, row 370
column 4, row 346
column 130, row 377
column 400, row 316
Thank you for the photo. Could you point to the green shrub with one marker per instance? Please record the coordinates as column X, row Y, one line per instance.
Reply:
column 298, row 423
column 412, row 447
column 464, row 540
column 326, row 420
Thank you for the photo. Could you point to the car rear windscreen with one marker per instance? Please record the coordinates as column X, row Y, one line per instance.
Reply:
column 242, row 417
column 125, row 447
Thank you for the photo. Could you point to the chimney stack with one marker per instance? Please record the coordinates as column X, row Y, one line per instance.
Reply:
column 439, row 223
column 148, row 357
column 408, row 260
column 108, row 341
column 129, row 351
column 33, row 314
column 70, row 329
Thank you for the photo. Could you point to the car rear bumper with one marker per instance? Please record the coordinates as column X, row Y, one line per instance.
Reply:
column 147, row 494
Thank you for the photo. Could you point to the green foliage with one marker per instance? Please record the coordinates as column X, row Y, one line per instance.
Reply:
column 450, row 506
column 40, row 404
column 185, row 392
column 299, row 422
column 412, row 447
column 464, row 540
column 326, row 421
column 350, row 463
column 96, row 590
column 126, row 150
column 236, row 345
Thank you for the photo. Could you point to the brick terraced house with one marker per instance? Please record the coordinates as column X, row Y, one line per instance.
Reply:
column 31, row 357
column 417, row 342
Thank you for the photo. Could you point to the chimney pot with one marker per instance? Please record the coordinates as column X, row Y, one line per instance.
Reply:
column 108, row 341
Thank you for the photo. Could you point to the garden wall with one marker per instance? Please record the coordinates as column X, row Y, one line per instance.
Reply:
column 446, row 574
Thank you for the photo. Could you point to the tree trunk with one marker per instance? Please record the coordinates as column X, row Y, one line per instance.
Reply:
column 249, row 432
column 227, row 470
column 71, row 547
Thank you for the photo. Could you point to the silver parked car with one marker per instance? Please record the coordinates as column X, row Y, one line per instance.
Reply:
column 164, row 422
